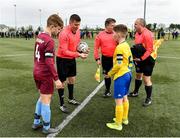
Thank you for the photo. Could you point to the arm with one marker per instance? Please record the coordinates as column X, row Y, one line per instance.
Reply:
column 149, row 46
column 49, row 59
column 96, row 48
column 50, row 63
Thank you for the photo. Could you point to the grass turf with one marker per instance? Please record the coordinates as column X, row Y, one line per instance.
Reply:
column 19, row 95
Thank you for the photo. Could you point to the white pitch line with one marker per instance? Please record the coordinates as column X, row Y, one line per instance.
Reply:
column 168, row 57
column 75, row 112
column 15, row 55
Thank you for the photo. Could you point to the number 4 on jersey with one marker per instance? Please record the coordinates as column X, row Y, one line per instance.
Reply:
column 37, row 54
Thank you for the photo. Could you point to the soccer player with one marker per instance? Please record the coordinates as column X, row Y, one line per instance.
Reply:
column 104, row 41
column 144, row 64
column 66, row 56
column 45, row 73
column 122, row 64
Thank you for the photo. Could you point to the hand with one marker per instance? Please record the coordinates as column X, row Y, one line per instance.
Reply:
column 88, row 51
column 98, row 62
column 106, row 76
column 137, row 59
column 58, row 84
column 83, row 55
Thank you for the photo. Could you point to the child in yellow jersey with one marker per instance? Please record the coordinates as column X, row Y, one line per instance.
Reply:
column 122, row 64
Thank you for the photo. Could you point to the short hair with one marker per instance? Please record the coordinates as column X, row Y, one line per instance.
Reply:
column 109, row 20
column 55, row 20
column 142, row 21
column 121, row 28
column 75, row 17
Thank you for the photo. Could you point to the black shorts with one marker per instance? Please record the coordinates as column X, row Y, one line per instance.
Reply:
column 65, row 68
column 107, row 64
column 146, row 66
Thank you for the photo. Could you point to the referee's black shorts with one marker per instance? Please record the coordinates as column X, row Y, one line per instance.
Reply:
column 146, row 66
column 107, row 64
column 65, row 68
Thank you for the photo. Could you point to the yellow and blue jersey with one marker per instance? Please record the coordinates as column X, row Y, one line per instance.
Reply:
column 122, row 60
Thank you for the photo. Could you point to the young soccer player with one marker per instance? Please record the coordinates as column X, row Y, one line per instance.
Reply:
column 122, row 63
column 45, row 73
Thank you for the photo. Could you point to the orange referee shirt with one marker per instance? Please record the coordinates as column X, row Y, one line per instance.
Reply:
column 106, row 43
column 68, row 43
column 145, row 38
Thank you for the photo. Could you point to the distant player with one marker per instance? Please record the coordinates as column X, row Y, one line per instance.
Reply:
column 104, row 41
column 122, row 64
column 45, row 73
column 67, row 53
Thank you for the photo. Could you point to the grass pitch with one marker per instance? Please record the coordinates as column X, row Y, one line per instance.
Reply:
column 19, row 95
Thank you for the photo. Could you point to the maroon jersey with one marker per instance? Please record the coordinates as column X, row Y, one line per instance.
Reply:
column 44, row 57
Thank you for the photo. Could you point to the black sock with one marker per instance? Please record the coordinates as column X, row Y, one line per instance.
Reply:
column 70, row 89
column 148, row 91
column 107, row 84
column 137, row 85
column 61, row 96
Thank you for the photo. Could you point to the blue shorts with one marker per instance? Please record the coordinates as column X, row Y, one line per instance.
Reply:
column 121, row 85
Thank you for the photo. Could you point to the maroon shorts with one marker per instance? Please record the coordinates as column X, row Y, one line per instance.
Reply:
column 45, row 85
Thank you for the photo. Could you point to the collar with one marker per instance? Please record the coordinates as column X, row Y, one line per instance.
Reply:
column 46, row 33
column 108, row 32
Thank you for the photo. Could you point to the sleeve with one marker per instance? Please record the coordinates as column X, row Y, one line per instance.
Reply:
column 96, row 47
column 49, row 59
column 149, row 46
column 64, row 43
column 118, row 63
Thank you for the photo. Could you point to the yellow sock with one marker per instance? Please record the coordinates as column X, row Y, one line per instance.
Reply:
column 125, row 110
column 119, row 113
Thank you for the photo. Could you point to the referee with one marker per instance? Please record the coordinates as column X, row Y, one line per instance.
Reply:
column 145, row 64
column 105, row 44
column 67, row 53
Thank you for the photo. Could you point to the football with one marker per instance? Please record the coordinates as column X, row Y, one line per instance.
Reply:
column 83, row 47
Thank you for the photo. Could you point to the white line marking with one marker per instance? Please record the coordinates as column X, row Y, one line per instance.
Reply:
column 75, row 112
column 169, row 57
column 16, row 55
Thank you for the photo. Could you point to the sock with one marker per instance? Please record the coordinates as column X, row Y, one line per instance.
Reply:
column 137, row 85
column 119, row 113
column 107, row 83
column 148, row 91
column 46, row 115
column 61, row 96
column 37, row 114
column 70, row 89
column 125, row 110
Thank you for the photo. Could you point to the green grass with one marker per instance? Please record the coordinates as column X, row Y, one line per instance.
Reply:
column 19, row 95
